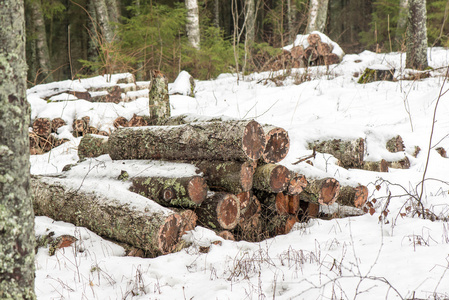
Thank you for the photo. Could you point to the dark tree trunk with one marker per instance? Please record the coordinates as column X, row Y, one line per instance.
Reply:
column 17, row 239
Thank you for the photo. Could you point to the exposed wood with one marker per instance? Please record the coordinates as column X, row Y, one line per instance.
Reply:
column 297, row 52
column 277, row 144
column 297, row 184
column 244, row 199
column 249, row 227
column 313, row 39
column 271, row 178
column 120, row 122
column 441, row 151
column 219, row 211
column 230, row 176
column 92, row 145
column 310, row 54
column 189, row 220
column 353, row 196
column 159, row 101
column 395, row 144
column 42, row 126
column 294, row 204
column 331, row 59
column 323, row 49
column 349, row 153
column 56, row 123
column 308, row 210
column 185, row 192
column 157, row 232
column 321, row 191
column 383, row 165
column 80, row 126
column 136, row 121
column 232, row 140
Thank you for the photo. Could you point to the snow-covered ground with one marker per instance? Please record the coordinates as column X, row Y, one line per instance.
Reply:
column 387, row 255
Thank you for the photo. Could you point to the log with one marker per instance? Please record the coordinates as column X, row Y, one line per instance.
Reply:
column 56, row 123
column 395, row 144
column 297, row 52
column 80, row 126
column 189, row 220
column 331, row 59
column 376, row 166
column 349, row 153
column 271, row 178
column 321, row 191
column 42, row 127
column 230, row 176
column 110, row 95
column 353, row 196
column 156, row 231
column 277, row 224
column 120, row 122
column 297, row 184
column 233, row 140
column 294, row 204
column 441, row 151
column 227, row 235
column 138, row 121
column 184, row 192
column 277, row 144
column 313, row 39
column 219, row 211
column 159, row 101
column 377, row 73
column 249, row 227
column 244, row 199
column 92, row 145
column 308, row 210
column 310, row 54
column 323, row 49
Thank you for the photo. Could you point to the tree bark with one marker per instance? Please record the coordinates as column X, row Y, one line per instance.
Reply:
column 219, row 211
column 233, row 140
column 249, row 227
column 156, row 231
column 231, row 176
column 395, row 144
column 159, row 101
column 17, row 239
column 416, row 57
column 271, row 178
column 297, row 184
column 184, row 192
column 349, row 153
column 193, row 23
column 277, row 144
column 105, row 30
column 321, row 191
column 317, row 15
column 353, row 196
column 402, row 21
column 42, row 52
column 92, row 145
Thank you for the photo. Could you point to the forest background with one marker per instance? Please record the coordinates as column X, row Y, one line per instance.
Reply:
column 68, row 39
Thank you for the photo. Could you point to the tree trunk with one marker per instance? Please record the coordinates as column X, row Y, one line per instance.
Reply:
column 402, row 21
column 105, row 30
column 184, row 192
column 233, row 140
column 42, row 52
column 317, row 15
column 321, row 191
column 219, row 211
column 231, row 176
column 417, row 36
column 277, row 144
column 113, row 11
column 17, row 239
column 271, row 178
column 217, row 13
column 350, row 153
column 155, row 230
column 353, row 196
column 159, row 101
column 193, row 25
column 92, row 145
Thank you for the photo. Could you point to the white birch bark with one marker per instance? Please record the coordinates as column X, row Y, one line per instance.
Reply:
column 417, row 36
column 317, row 15
column 103, row 21
column 193, row 23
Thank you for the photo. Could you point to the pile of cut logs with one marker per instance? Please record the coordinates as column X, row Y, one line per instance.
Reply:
column 240, row 190
column 318, row 53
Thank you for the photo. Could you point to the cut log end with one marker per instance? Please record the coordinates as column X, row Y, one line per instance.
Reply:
column 197, row 189
column 253, row 140
column 329, row 191
column 288, row 225
column 279, row 179
column 277, row 145
column 282, row 203
column 361, row 196
column 246, row 175
column 297, row 185
column 169, row 234
column 228, row 211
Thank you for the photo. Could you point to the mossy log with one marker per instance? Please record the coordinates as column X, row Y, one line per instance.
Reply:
column 377, row 73
column 277, row 144
column 219, row 211
column 233, row 140
column 350, row 153
column 230, row 176
column 185, row 192
column 383, row 165
column 321, row 191
column 296, row 184
column 353, row 196
column 92, row 145
column 271, row 178
column 395, row 144
column 159, row 101
column 156, row 231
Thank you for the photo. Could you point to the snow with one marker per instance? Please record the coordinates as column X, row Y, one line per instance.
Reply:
column 181, row 85
column 397, row 256
column 301, row 40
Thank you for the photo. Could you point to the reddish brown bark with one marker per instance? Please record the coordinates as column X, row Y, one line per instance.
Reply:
column 297, row 184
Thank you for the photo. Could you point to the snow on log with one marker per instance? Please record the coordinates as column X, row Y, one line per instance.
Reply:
column 92, row 145
column 377, row 73
column 321, row 191
column 185, row 192
column 230, row 176
column 219, row 211
column 232, row 140
column 271, row 178
column 277, row 144
column 156, row 231
column 349, row 153
column 353, row 196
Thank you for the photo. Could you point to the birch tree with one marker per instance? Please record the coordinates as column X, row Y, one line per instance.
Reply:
column 317, row 15
column 101, row 12
column 193, row 23
column 402, row 19
column 416, row 57
column 16, row 211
